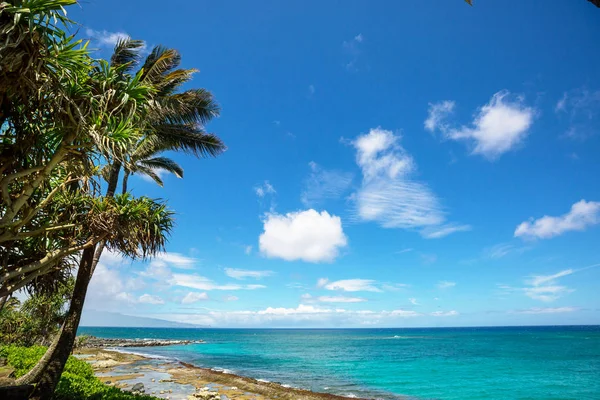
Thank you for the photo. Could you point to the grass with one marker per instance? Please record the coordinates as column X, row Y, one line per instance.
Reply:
column 77, row 381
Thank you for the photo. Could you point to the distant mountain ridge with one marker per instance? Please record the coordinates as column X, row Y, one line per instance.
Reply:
column 111, row 319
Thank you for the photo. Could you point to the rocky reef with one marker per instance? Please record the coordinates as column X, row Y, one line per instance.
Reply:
column 93, row 342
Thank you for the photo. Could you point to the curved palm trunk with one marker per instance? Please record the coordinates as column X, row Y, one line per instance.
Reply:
column 58, row 358
column 48, row 370
column 36, row 372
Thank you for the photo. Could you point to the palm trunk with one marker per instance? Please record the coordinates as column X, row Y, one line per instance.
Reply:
column 36, row 372
column 49, row 369
column 45, row 388
column 3, row 301
column 113, row 178
column 125, row 179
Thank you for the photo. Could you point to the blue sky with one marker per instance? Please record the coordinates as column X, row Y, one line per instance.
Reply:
column 417, row 163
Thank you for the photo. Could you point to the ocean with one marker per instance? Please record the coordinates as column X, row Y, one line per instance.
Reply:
column 554, row 362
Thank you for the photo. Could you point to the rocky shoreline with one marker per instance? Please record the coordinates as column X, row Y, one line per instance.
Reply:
column 174, row 380
column 92, row 342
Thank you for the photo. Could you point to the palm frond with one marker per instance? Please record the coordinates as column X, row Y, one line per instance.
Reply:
column 189, row 139
column 126, row 53
column 163, row 163
column 150, row 172
column 159, row 62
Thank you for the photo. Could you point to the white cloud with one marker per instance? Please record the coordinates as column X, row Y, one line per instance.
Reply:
column 542, row 287
column 308, row 315
column 105, row 38
column 322, row 282
column 561, row 105
column 501, row 250
column 438, row 112
column 498, row 126
column 176, row 260
column 264, row 189
column 324, row 184
column 305, row 235
column 248, row 249
column 548, row 310
column 193, row 297
column 537, row 280
column 150, row 299
column 340, row 299
column 108, row 290
column 445, row 284
column 414, row 301
column 444, row 230
column 388, row 195
column 582, row 215
column 353, row 285
column 311, row 90
column 203, row 283
column 244, row 273
column 352, row 47
column 231, row 298
column 581, row 106
column 452, row 313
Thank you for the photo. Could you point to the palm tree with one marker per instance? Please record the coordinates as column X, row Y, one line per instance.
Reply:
column 169, row 120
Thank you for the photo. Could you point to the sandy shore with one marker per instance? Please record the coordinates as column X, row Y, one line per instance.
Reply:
column 177, row 380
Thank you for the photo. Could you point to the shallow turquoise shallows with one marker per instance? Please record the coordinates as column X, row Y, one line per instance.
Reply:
column 444, row 363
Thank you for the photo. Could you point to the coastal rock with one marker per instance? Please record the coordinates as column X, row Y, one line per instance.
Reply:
column 106, row 363
column 95, row 342
column 205, row 394
column 138, row 387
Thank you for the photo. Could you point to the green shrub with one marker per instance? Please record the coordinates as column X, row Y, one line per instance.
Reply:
column 77, row 381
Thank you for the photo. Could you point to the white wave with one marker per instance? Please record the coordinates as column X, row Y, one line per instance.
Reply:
column 351, row 396
column 263, row 380
column 224, row 370
column 139, row 353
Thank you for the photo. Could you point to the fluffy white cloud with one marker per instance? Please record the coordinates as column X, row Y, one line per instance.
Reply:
column 497, row 127
column 548, row 310
column 193, row 297
column 445, row 284
column 438, row 113
column 264, row 189
column 231, row 298
column 324, row 184
column 150, row 299
column 177, row 260
column 108, row 290
column 353, row 285
column 389, row 195
column 203, row 283
column 105, row 38
column 306, row 235
column 414, row 301
column 582, row 215
column 244, row 273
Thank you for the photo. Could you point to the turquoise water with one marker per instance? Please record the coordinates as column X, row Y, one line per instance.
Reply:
column 439, row 363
